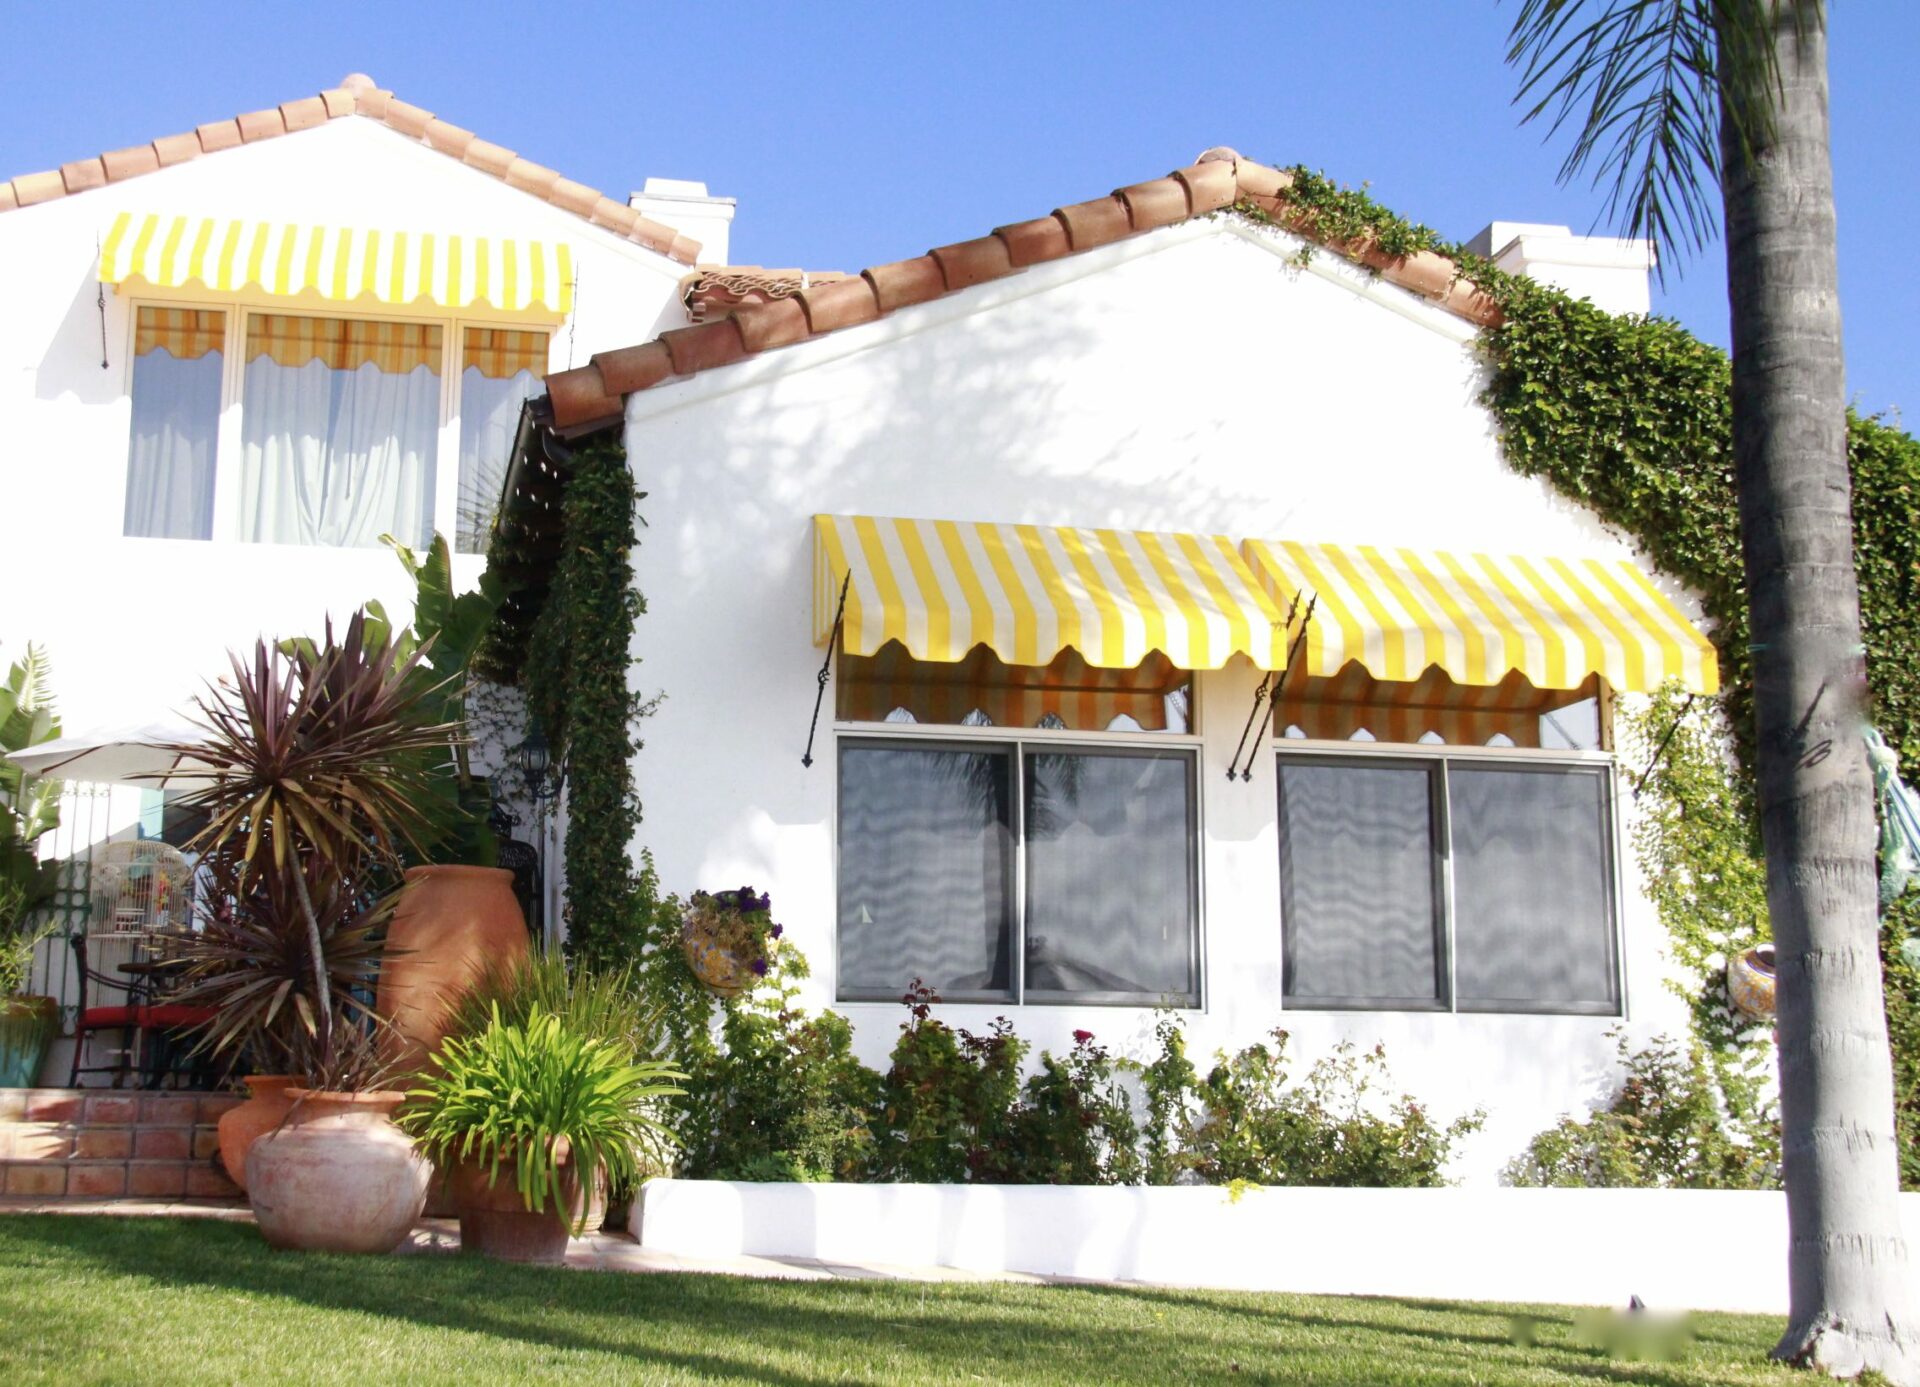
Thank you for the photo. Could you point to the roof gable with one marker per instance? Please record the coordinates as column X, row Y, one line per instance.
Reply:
column 592, row 396
column 355, row 96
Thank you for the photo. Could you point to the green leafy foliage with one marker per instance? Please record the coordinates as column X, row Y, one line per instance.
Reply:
column 1245, row 1121
column 1663, row 1128
column 600, row 1004
column 531, row 1095
column 577, row 675
column 29, row 807
column 948, row 1099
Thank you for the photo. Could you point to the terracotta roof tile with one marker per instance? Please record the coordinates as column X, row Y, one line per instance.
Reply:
column 304, row 114
column 712, row 290
column 30, row 188
column 906, row 282
column 356, row 95
column 218, row 135
column 760, row 319
column 262, row 125
column 129, row 163
column 83, row 174
column 177, row 149
column 973, row 262
column 1031, row 243
column 1159, row 203
column 704, row 346
column 1095, row 223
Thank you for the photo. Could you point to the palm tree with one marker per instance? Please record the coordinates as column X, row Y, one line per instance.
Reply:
column 1666, row 98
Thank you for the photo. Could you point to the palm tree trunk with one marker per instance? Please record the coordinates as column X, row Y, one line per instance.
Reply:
column 1849, row 1276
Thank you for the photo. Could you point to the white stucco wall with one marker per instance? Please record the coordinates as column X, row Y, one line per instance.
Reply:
column 1192, row 379
column 135, row 625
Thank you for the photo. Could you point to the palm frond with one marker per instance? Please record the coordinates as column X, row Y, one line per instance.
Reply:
column 1640, row 84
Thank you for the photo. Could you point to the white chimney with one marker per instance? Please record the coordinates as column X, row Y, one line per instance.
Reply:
column 1608, row 270
column 684, row 205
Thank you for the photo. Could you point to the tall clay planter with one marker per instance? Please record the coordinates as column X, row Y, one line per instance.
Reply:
column 496, row 1222
column 450, row 925
column 28, row 1025
column 338, row 1176
column 267, row 1103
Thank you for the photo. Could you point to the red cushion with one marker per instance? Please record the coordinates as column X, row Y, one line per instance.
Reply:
column 95, row 1018
column 169, row 1016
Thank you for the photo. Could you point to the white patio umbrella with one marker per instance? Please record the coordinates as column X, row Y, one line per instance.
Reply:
column 135, row 755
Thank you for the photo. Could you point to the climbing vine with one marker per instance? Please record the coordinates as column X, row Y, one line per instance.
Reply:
column 1632, row 417
column 577, row 679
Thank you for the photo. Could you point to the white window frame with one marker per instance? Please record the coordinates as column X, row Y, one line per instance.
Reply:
column 227, row 460
column 1018, row 741
column 1601, row 763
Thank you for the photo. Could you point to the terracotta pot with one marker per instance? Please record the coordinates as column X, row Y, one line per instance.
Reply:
column 338, row 1176
column 1750, row 983
column 496, row 1222
column 241, row 1126
column 28, row 1025
column 450, row 925
column 593, row 1217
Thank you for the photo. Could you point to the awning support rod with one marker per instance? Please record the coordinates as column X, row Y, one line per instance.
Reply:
column 826, row 669
column 1270, row 687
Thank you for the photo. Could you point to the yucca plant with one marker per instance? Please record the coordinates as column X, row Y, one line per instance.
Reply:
column 322, row 762
column 517, row 1091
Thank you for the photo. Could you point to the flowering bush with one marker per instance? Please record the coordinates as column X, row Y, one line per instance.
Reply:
column 740, row 923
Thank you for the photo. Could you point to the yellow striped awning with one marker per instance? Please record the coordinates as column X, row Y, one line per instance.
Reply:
column 1479, row 617
column 1027, row 592
column 340, row 264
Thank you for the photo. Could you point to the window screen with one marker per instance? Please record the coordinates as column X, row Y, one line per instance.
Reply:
column 1533, row 918
column 1110, row 874
column 926, row 870
column 1358, row 901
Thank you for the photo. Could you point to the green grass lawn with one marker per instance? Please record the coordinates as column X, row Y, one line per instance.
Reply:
column 98, row 1300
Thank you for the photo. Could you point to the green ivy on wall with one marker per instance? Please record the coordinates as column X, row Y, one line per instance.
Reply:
column 577, row 676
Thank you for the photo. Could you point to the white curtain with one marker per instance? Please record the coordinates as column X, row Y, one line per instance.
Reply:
column 176, row 417
column 489, row 414
column 337, row 457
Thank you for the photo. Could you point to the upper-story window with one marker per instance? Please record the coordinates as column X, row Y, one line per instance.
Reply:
column 346, row 427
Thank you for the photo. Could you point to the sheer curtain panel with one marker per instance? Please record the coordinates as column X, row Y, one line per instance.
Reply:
column 177, row 365
column 500, row 369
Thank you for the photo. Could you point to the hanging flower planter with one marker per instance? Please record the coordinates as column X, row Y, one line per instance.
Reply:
column 1750, row 983
column 729, row 939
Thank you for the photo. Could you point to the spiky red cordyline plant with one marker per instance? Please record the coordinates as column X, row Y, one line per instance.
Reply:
column 322, row 761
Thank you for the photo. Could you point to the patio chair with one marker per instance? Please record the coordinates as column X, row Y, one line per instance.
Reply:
column 124, row 1016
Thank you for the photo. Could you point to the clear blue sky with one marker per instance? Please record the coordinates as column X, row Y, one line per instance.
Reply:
column 859, row 133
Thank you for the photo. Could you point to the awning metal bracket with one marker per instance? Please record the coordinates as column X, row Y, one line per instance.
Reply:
column 1268, row 691
column 826, row 669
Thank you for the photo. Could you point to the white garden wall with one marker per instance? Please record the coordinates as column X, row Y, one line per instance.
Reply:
column 1195, row 378
column 135, row 625
column 1675, row 1249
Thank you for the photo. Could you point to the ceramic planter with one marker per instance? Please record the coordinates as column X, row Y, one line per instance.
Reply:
column 496, row 1222
column 267, row 1103
column 1750, row 983
column 337, row 1176
column 450, row 925
column 709, row 939
column 28, row 1025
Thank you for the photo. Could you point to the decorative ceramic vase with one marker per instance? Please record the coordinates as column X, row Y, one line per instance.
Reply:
column 496, row 1222
column 451, row 924
column 337, row 1176
column 1750, row 981
column 28, row 1025
column 267, row 1103
column 709, row 939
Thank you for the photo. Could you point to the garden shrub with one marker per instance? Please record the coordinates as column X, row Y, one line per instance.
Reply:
column 1075, row 1123
column 947, row 1102
column 1245, row 1123
column 1664, row 1128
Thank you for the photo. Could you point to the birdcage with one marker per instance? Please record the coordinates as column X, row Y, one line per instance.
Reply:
column 142, row 884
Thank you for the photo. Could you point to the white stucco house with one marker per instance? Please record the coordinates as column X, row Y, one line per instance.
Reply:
column 231, row 359
column 1082, row 753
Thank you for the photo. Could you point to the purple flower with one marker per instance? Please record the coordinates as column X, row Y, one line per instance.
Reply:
column 777, row 931
column 760, row 967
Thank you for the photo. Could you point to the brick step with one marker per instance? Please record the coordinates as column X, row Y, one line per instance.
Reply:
column 112, row 1179
column 95, row 1144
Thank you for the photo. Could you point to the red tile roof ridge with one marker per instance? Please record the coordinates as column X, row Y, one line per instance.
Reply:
column 592, row 396
column 357, row 95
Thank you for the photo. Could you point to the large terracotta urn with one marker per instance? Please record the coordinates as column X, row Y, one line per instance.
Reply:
column 449, row 925
column 337, row 1176
column 496, row 1222
column 267, row 1103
